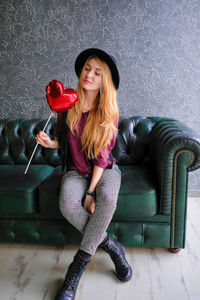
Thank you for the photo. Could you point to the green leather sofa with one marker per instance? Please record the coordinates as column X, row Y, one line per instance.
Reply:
column 154, row 154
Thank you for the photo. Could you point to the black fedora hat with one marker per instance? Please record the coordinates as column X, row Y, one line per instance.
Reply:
column 84, row 55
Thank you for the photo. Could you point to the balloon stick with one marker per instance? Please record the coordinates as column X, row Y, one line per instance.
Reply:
column 52, row 113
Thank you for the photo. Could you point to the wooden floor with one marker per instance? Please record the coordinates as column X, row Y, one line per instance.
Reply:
column 30, row 272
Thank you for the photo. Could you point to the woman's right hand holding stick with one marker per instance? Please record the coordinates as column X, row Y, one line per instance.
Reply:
column 44, row 140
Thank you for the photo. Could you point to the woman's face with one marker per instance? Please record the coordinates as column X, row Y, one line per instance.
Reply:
column 91, row 76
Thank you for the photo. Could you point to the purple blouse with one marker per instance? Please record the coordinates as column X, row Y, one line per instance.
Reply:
column 78, row 159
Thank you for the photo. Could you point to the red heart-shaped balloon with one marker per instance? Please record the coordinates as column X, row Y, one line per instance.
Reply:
column 59, row 98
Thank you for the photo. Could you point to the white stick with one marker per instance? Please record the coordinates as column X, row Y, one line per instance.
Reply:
column 52, row 113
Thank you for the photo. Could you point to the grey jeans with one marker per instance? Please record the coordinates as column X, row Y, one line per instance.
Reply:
column 93, row 227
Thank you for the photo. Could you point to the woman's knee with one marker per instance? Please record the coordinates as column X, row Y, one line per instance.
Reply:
column 107, row 199
column 107, row 193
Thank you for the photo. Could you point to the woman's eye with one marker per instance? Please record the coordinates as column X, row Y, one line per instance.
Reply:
column 98, row 74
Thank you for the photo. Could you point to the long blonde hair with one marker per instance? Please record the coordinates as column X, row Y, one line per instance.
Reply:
column 100, row 126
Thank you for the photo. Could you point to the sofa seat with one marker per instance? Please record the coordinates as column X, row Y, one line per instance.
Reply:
column 19, row 192
column 136, row 198
column 49, row 194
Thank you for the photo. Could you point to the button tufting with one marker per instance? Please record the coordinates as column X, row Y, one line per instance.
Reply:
column 19, row 131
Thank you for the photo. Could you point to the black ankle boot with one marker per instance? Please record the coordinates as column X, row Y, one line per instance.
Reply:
column 117, row 254
column 75, row 270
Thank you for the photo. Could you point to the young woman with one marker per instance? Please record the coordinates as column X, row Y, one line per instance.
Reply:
column 90, row 187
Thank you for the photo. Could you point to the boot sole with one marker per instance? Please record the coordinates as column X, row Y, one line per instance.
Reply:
column 124, row 279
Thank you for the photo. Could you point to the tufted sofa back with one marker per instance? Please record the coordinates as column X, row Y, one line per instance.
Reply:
column 134, row 139
column 17, row 141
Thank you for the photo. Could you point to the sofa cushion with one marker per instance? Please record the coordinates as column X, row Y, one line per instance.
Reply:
column 49, row 194
column 19, row 192
column 137, row 196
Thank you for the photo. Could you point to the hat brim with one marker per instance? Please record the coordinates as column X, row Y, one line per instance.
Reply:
column 84, row 55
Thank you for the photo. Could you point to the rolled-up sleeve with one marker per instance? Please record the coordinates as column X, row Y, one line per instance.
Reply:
column 102, row 159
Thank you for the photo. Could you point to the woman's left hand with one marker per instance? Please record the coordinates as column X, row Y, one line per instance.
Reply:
column 89, row 204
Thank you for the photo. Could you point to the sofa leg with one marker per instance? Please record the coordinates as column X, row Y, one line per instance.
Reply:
column 174, row 250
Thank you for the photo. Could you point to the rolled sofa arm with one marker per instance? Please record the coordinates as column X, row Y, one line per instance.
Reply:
column 174, row 150
column 170, row 149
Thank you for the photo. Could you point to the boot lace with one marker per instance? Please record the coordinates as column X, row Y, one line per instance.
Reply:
column 117, row 256
column 72, row 277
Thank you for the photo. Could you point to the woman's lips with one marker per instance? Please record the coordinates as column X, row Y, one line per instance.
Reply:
column 87, row 81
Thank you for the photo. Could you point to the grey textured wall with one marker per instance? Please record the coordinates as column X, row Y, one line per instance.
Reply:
column 156, row 44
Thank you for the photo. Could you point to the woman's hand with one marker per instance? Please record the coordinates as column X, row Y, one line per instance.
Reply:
column 89, row 204
column 44, row 140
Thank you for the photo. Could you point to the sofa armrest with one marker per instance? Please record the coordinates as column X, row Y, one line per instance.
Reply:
column 174, row 150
